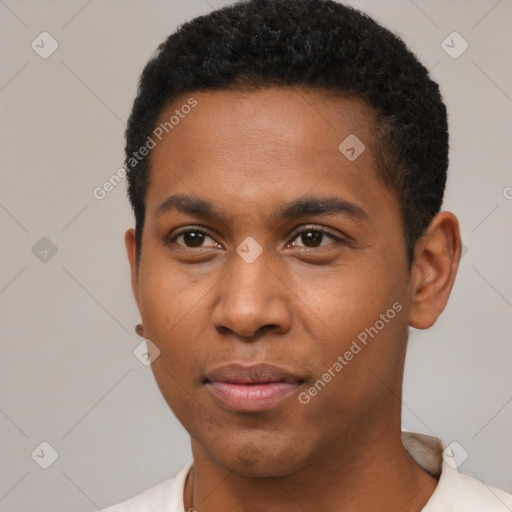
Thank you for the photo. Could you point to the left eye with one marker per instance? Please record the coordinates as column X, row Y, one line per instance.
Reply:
column 313, row 238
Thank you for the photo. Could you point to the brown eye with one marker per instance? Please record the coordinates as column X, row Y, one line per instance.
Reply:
column 312, row 238
column 192, row 238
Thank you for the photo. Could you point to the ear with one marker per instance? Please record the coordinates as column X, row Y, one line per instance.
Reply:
column 436, row 260
column 131, row 250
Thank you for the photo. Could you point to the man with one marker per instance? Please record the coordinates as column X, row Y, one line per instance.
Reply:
column 287, row 163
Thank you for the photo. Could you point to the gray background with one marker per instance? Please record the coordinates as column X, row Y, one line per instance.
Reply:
column 67, row 372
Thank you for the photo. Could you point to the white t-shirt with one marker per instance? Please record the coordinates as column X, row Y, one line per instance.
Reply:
column 455, row 492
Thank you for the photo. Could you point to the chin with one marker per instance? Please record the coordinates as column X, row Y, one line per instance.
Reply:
column 258, row 458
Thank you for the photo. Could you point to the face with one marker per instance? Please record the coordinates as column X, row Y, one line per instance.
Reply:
column 273, row 277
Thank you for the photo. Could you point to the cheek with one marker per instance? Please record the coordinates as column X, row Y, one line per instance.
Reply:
column 345, row 300
column 174, row 381
column 357, row 320
column 354, row 378
column 173, row 313
column 171, row 298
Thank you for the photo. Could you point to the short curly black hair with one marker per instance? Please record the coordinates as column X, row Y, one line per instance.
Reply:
column 320, row 45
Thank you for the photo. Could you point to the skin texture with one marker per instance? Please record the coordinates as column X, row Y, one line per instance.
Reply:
column 295, row 306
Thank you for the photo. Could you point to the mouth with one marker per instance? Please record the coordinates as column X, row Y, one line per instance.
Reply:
column 251, row 388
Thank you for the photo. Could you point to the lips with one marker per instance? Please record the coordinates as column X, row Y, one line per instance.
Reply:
column 251, row 388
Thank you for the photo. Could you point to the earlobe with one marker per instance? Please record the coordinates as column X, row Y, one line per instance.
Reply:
column 131, row 250
column 437, row 256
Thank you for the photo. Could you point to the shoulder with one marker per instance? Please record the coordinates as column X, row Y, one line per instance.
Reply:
column 167, row 496
column 458, row 492
column 472, row 495
column 156, row 496
column 455, row 491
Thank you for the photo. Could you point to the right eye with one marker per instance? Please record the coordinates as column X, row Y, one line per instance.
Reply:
column 192, row 237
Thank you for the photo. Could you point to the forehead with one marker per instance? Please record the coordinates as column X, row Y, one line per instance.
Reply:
column 288, row 120
column 264, row 143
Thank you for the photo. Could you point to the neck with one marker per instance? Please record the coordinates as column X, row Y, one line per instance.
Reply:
column 363, row 473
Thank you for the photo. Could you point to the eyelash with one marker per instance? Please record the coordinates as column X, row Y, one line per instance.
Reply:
column 294, row 236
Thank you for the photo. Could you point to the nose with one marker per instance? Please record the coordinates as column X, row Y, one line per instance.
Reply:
column 252, row 299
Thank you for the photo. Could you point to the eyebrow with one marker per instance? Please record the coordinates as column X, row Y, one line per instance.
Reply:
column 301, row 207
